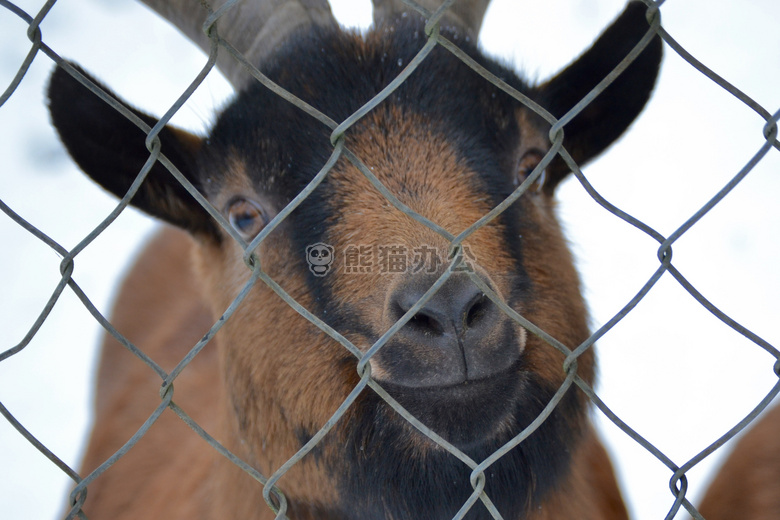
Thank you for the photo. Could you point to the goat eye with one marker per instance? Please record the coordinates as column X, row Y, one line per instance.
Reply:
column 246, row 217
column 528, row 162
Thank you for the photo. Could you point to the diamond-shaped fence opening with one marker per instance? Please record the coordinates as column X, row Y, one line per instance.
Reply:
column 685, row 340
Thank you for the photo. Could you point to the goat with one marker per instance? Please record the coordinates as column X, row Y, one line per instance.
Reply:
column 450, row 147
column 747, row 486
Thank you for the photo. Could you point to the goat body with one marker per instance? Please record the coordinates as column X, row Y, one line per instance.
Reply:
column 450, row 147
column 748, row 484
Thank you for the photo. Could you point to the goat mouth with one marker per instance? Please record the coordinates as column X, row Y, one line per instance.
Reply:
column 467, row 413
column 452, row 364
column 465, row 385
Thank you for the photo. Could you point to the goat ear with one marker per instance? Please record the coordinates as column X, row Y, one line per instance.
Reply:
column 601, row 122
column 110, row 149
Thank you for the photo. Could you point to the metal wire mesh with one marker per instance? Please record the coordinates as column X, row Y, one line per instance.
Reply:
column 767, row 144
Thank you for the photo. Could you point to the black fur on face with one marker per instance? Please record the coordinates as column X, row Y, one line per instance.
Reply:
column 387, row 469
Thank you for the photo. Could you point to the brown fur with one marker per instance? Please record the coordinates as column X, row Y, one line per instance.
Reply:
column 591, row 491
column 128, row 390
column 748, row 485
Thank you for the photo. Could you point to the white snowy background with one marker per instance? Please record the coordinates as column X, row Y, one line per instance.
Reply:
column 670, row 369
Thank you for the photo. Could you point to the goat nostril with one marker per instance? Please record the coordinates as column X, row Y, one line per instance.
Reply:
column 423, row 322
column 426, row 324
column 476, row 310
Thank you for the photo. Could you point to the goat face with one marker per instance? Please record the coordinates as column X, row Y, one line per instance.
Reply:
column 450, row 147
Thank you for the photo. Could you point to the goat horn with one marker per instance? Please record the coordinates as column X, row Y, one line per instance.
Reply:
column 254, row 28
column 467, row 14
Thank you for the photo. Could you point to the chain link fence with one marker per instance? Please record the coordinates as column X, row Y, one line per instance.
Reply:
column 660, row 323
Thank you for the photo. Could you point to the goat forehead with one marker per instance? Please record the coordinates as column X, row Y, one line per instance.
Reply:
column 337, row 73
column 425, row 169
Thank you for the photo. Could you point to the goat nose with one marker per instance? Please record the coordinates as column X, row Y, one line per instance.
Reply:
column 458, row 335
column 457, row 307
